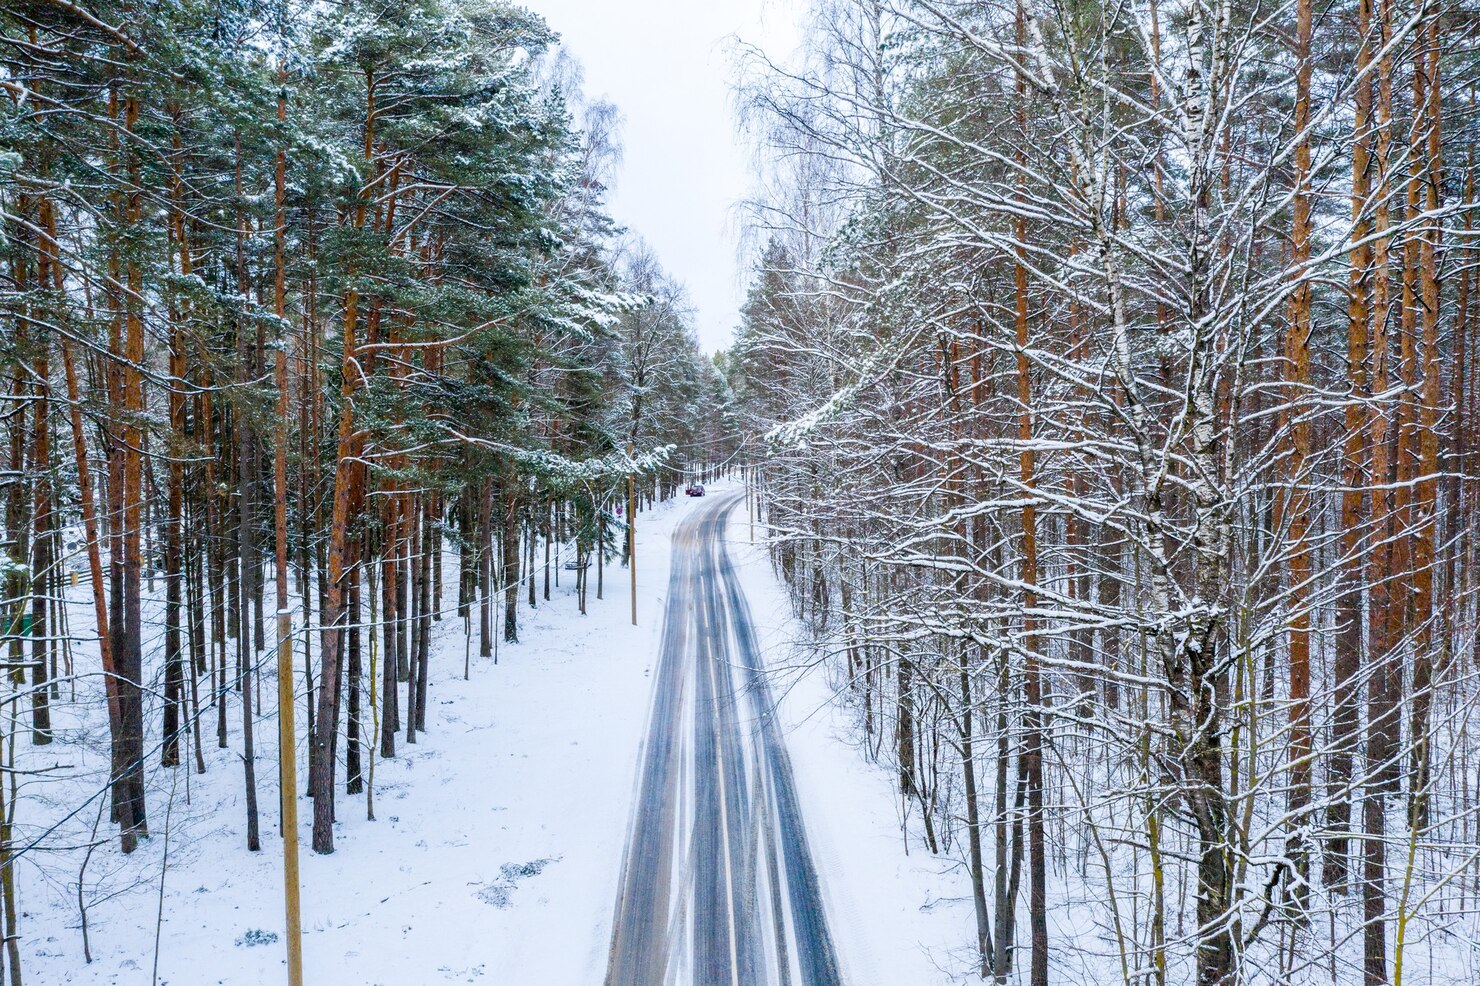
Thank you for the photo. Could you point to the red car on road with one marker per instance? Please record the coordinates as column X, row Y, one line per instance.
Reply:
column 694, row 489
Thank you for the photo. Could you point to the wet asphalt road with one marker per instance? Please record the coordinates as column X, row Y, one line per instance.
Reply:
column 718, row 887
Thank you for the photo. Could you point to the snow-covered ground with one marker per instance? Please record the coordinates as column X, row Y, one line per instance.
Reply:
column 497, row 842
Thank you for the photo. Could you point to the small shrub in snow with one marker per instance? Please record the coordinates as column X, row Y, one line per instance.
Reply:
column 514, row 872
column 257, row 936
column 499, row 893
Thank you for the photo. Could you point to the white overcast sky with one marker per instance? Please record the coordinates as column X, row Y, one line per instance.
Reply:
column 667, row 66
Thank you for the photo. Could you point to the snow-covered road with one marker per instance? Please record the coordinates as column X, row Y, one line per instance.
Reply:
column 718, row 883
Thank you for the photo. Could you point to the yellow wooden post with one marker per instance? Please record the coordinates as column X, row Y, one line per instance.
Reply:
column 288, row 777
column 632, row 539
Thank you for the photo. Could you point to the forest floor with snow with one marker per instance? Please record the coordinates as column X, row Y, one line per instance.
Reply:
column 497, row 842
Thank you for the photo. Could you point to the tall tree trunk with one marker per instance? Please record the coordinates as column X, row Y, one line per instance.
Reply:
column 1296, row 503
column 354, row 783
column 1428, row 175
column 130, row 645
column 1382, row 740
column 1032, row 677
column 1349, row 611
column 510, row 511
column 246, row 448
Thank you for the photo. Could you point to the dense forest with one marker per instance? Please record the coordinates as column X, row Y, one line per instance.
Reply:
column 1104, row 397
column 1116, row 370
column 299, row 301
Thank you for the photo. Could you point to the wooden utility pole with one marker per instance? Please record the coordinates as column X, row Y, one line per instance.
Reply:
column 632, row 539
column 287, row 742
column 749, row 503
